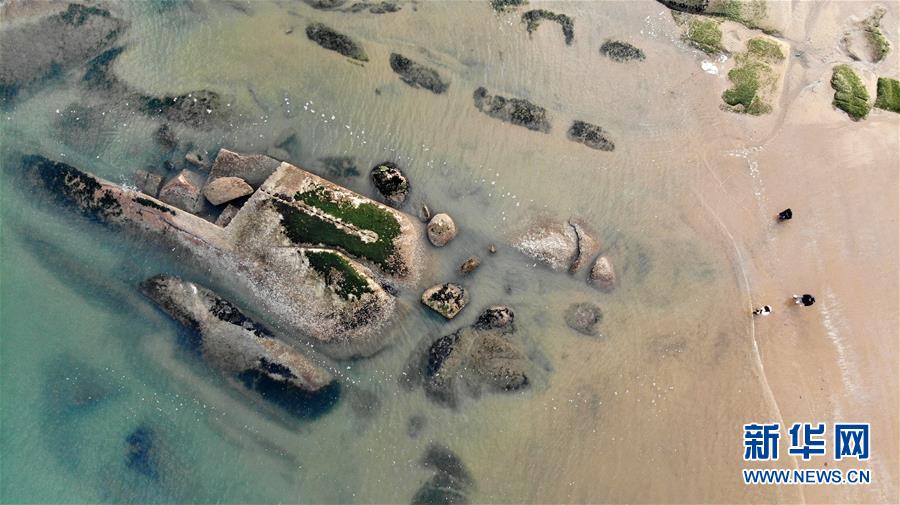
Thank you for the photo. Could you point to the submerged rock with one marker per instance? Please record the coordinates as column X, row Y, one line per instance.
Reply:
column 621, row 52
column 335, row 41
column 197, row 108
column 602, row 274
column 451, row 481
column 533, row 18
column 584, row 318
column 561, row 246
column 590, row 135
column 141, row 454
column 233, row 343
column 165, row 137
column 45, row 48
column 446, row 299
column 339, row 167
column 309, row 255
column 512, row 110
column 226, row 189
column 441, row 230
column 416, row 75
column 391, row 183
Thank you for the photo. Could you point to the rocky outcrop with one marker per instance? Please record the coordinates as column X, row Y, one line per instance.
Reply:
column 309, row 255
column 533, row 18
column 391, row 183
column 335, row 41
column 583, row 318
column 46, row 47
column 621, row 52
column 561, row 246
column 183, row 191
column 229, row 340
column 446, row 299
column 416, row 75
column 485, row 356
column 451, row 481
column 512, row 110
column 441, row 230
column 590, row 135
column 226, row 189
column 602, row 275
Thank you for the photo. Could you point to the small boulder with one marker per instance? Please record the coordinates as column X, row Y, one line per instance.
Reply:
column 583, row 318
column 183, row 191
column 446, row 299
column 441, row 230
column 495, row 317
column 470, row 265
column 226, row 189
column 391, row 183
column 602, row 274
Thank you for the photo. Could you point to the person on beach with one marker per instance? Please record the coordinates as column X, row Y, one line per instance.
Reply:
column 785, row 215
column 765, row 310
column 806, row 300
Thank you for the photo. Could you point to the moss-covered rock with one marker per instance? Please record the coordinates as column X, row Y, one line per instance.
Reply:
column 590, row 135
column 417, row 75
column 888, row 97
column 765, row 49
column 533, row 18
column 750, row 13
column 506, row 5
column 446, row 299
column 335, row 41
column 338, row 273
column 850, row 94
column 753, row 79
column 517, row 111
column 704, row 34
column 878, row 43
column 619, row 51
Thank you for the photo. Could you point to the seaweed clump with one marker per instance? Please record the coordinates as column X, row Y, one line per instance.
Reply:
column 877, row 41
column 850, row 94
column 339, row 274
column 304, row 228
column 621, row 51
column 416, row 75
column 752, row 77
column 888, row 96
column 590, row 135
column 705, row 35
column 533, row 18
column 507, row 5
column 512, row 110
column 335, row 41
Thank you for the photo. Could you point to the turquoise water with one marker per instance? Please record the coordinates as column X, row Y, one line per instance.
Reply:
column 86, row 360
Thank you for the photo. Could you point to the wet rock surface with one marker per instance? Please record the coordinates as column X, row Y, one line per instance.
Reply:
column 446, row 299
column 533, row 18
column 441, row 230
column 561, row 246
column 517, row 111
column 46, row 48
column 226, row 189
column 584, row 318
column 333, row 40
column 391, row 183
column 417, row 75
column 590, row 135
column 621, row 52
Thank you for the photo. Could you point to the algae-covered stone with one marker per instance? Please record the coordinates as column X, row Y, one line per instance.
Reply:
column 753, row 79
column 879, row 44
column 506, row 5
column 533, row 18
column 391, row 183
column 417, row 75
column 888, row 97
column 850, row 94
column 335, row 41
column 590, row 135
column 446, row 299
column 512, row 110
column 705, row 35
column 619, row 51
column 750, row 13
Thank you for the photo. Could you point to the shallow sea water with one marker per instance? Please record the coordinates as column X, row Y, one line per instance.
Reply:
column 624, row 417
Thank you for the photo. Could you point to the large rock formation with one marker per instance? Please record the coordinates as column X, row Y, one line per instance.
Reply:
column 561, row 246
column 309, row 255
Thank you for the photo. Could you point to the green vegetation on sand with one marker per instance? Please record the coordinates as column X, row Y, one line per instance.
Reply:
column 850, row 93
column 752, row 78
column 705, row 35
column 888, row 97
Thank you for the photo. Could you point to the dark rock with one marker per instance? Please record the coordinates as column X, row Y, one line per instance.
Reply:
column 325, row 4
column 590, row 135
column 417, row 75
column 374, row 7
column 443, row 460
column 492, row 249
column 197, row 108
column 391, row 183
column 506, row 5
column 165, row 137
column 533, row 18
column 335, row 41
column 583, row 318
column 141, row 455
column 44, row 49
column 470, row 265
column 621, row 51
column 512, row 110
column 100, row 77
column 446, row 299
column 451, row 481
column 415, row 425
column 495, row 317
column 339, row 167
column 689, row 6
column 147, row 182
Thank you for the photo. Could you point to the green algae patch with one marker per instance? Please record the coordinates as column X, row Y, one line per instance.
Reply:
column 765, row 49
column 339, row 274
column 850, row 93
column 877, row 41
column 750, row 14
column 302, row 227
column 705, row 35
column 888, row 96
